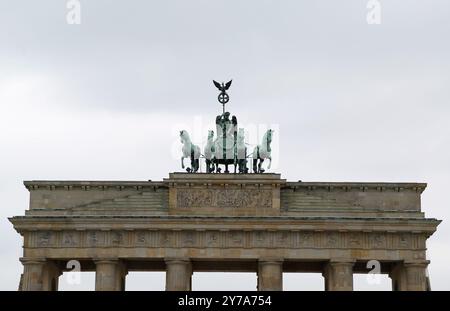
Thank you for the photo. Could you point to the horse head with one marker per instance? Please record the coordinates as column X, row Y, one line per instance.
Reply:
column 210, row 135
column 267, row 140
column 184, row 136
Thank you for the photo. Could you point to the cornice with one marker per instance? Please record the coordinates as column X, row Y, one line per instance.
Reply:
column 92, row 185
column 356, row 186
column 190, row 179
column 341, row 224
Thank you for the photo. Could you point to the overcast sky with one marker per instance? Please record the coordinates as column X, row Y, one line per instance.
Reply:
column 104, row 100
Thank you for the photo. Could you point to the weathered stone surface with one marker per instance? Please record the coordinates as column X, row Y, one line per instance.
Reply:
column 224, row 222
column 338, row 274
column 178, row 275
column 270, row 274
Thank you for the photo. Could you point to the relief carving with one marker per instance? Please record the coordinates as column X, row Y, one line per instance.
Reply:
column 43, row 239
column 354, row 240
column 331, row 239
column 166, row 239
column 404, row 240
column 140, row 237
column 378, row 240
column 117, row 237
column 189, row 239
column 283, row 239
column 236, row 239
column 69, row 239
column 305, row 239
column 259, row 239
column 224, row 198
column 212, row 239
column 93, row 238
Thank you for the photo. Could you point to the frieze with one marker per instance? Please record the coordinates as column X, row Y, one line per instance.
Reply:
column 224, row 198
column 292, row 239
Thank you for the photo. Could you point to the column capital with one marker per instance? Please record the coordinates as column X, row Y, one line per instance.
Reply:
column 416, row 263
column 106, row 260
column 177, row 260
column 33, row 260
column 347, row 261
column 270, row 260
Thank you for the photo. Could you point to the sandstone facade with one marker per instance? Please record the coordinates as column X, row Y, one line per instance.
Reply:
column 224, row 222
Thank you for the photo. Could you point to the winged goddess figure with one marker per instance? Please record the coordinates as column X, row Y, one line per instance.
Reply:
column 223, row 96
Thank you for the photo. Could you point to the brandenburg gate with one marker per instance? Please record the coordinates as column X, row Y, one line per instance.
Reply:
column 224, row 222
column 213, row 221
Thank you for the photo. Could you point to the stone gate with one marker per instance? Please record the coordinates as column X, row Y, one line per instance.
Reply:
column 224, row 222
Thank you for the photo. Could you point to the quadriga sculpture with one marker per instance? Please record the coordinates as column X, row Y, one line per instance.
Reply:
column 191, row 151
column 262, row 152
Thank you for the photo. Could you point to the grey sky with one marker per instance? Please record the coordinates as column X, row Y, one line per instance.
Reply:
column 101, row 100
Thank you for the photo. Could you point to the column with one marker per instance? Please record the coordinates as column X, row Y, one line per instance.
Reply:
column 110, row 275
column 270, row 275
column 39, row 274
column 398, row 276
column 410, row 276
column 338, row 274
column 178, row 274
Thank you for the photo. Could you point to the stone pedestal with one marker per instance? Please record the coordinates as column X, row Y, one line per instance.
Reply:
column 110, row 275
column 178, row 275
column 224, row 194
column 39, row 274
column 338, row 275
column 270, row 275
column 410, row 276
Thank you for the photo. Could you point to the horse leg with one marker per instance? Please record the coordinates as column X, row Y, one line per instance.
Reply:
column 254, row 165
column 217, row 165
column 270, row 163
column 226, row 168
column 260, row 169
column 182, row 162
column 197, row 165
column 210, row 166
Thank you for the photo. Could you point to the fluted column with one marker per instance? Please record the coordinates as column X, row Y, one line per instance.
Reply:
column 39, row 274
column 270, row 275
column 338, row 274
column 178, row 274
column 109, row 275
column 410, row 276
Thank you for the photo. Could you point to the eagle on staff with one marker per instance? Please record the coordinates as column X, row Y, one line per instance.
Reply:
column 223, row 96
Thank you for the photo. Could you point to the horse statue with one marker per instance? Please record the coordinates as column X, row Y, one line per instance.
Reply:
column 225, row 143
column 208, row 152
column 262, row 152
column 241, row 152
column 191, row 151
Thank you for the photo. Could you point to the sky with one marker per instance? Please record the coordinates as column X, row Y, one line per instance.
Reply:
column 105, row 100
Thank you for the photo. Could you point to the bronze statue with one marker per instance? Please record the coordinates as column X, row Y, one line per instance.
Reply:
column 223, row 97
column 229, row 147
